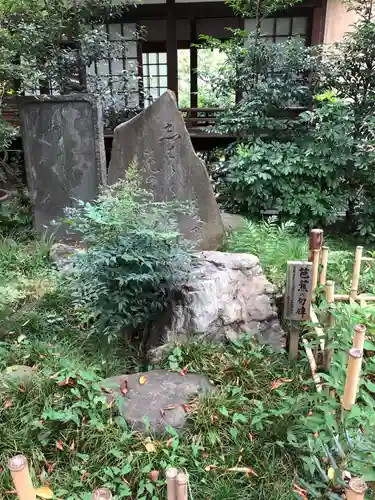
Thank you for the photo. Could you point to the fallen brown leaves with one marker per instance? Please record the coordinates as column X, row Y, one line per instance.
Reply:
column 124, row 387
column 276, row 383
column 248, row 471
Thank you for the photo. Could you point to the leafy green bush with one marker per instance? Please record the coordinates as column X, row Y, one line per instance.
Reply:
column 310, row 164
column 298, row 179
column 135, row 260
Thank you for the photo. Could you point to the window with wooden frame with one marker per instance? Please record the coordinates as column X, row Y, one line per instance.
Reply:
column 155, row 75
column 117, row 75
column 279, row 29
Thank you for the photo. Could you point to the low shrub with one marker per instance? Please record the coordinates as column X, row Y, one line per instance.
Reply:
column 136, row 257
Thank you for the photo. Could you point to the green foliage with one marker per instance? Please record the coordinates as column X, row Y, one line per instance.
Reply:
column 310, row 164
column 296, row 178
column 49, row 44
column 262, row 416
column 135, row 259
column 275, row 244
column 272, row 77
column 260, row 8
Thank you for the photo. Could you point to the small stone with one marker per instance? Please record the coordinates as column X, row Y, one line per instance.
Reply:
column 17, row 373
column 232, row 222
column 63, row 256
column 161, row 400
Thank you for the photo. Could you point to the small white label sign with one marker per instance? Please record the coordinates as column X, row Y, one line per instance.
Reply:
column 298, row 291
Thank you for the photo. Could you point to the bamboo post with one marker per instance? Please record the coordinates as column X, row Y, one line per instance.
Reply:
column 356, row 490
column 171, row 475
column 323, row 272
column 356, row 272
column 293, row 342
column 19, row 470
column 330, row 298
column 182, row 486
column 315, row 241
column 102, row 494
column 313, row 367
column 352, row 378
column 359, row 337
column 315, row 269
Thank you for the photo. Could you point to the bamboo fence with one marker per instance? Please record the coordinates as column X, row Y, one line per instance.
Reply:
column 177, row 482
column 318, row 256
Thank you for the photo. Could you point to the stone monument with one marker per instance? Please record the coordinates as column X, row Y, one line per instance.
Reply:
column 63, row 145
column 158, row 143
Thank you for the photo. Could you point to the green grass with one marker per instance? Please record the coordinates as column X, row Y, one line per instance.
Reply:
column 247, row 422
column 277, row 244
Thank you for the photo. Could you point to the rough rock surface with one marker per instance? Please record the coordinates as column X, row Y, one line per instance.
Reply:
column 226, row 296
column 158, row 143
column 160, row 399
column 63, row 144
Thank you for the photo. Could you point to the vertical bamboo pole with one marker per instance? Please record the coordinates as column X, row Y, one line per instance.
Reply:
column 356, row 490
column 330, row 298
column 171, row 475
column 323, row 272
column 356, row 272
column 359, row 337
column 182, row 486
column 315, row 269
column 352, row 378
column 102, row 494
column 315, row 241
column 19, row 470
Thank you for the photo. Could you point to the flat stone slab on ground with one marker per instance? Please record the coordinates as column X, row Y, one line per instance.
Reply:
column 162, row 390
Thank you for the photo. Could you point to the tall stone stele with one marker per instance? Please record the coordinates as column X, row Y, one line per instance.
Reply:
column 158, row 143
column 63, row 145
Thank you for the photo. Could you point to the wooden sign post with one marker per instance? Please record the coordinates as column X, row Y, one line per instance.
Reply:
column 297, row 303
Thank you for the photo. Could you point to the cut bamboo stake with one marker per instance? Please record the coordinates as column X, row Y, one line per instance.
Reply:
column 352, row 378
column 315, row 269
column 315, row 241
column 323, row 272
column 293, row 342
column 318, row 330
column 182, row 486
column 171, row 475
column 102, row 494
column 330, row 298
column 359, row 337
column 356, row 272
column 345, row 298
column 19, row 470
column 313, row 367
column 356, row 490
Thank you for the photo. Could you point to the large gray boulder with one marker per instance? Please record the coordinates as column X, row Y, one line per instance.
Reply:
column 226, row 296
column 155, row 399
column 157, row 142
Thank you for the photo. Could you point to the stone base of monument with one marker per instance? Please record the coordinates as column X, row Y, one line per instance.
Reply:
column 227, row 295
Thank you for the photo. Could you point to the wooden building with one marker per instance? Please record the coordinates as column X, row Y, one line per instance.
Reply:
column 171, row 26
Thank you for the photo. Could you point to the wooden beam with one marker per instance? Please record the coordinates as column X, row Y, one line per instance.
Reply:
column 206, row 9
column 318, row 23
column 193, row 65
column 172, row 55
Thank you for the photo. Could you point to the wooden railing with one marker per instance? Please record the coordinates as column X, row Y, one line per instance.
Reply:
column 200, row 117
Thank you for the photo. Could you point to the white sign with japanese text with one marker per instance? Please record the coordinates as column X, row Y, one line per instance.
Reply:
column 298, row 291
